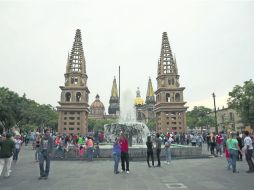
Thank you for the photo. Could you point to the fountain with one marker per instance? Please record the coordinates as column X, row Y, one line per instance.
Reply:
column 127, row 123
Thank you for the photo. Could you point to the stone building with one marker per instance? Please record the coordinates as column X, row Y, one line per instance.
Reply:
column 169, row 109
column 114, row 104
column 145, row 110
column 97, row 109
column 228, row 119
column 74, row 108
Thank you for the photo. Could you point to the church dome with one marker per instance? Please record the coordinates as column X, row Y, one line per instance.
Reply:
column 138, row 100
column 97, row 104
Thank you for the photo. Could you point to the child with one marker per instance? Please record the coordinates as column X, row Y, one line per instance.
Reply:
column 97, row 150
column 81, row 152
column 229, row 166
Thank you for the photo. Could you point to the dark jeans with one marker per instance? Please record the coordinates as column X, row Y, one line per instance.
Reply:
column 158, row 153
column 44, row 156
column 212, row 146
column 150, row 154
column 240, row 157
column 248, row 156
column 16, row 154
column 125, row 159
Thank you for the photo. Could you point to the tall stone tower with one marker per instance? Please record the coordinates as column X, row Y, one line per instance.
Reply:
column 169, row 107
column 114, row 100
column 73, row 109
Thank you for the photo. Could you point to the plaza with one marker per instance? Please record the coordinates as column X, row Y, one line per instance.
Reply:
column 189, row 174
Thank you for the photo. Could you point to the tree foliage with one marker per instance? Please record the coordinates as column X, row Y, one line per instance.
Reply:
column 151, row 124
column 241, row 98
column 198, row 117
column 98, row 124
column 16, row 111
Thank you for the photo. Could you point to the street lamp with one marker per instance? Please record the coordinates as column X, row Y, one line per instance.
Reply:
column 215, row 113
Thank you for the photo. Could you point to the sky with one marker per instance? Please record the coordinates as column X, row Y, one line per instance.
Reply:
column 213, row 43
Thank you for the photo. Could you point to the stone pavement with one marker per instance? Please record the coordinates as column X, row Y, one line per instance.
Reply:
column 188, row 174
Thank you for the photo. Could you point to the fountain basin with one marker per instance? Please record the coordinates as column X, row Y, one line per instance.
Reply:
column 138, row 152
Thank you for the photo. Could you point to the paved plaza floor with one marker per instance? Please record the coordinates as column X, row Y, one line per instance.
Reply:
column 187, row 174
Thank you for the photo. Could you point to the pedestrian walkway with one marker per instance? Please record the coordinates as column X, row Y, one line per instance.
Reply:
column 190, row 174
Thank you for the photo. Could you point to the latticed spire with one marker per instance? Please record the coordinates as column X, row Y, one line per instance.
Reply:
column 167, row 64
column 114, row 92
column 77, row 63
column 68, row 63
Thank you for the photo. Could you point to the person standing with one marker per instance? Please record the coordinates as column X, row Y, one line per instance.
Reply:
column 248, row 151
column 18, row 143
column 7, row 148
column 219, row 144
column 240, row 143
column 46, row 146
column 37, row 146
column 168, row 151
column 233, row 147
column 116, row 155
column 124, row 153
column 90, row 148
column 149, row 145
column 212, row 143
column 158, row 142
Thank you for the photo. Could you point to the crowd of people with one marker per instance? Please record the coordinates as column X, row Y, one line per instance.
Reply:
column 234, row 145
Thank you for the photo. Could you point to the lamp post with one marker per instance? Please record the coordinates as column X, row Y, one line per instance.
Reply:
column 215, row 113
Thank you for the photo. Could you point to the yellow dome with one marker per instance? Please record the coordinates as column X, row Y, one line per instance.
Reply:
column 138, row 101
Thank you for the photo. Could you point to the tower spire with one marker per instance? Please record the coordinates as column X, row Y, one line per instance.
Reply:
column 114, row 92
column 76, row 64
column 114, row 100
column 77, row 58
column 150, row 92
column 166, row 64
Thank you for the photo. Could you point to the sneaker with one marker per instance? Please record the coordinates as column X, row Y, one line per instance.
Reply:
column 127, row 172
column 168, row 163
column 250, row 171
column 46, row 177
column 39, row 178
column 122, row 171
column 117, row 172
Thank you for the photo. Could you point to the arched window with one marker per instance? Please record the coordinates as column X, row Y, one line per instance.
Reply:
column 177, row 97
column 78, row 96
column 167, row 97
column 67, row 96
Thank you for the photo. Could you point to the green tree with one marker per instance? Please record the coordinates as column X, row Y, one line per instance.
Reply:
column 241, row 98
column 8, row 111
column 16, row 111
column 198, row 117
column 98, row 124
column 151, row 124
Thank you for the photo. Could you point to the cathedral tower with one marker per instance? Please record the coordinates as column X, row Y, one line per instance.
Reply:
column 169, row 107
column 114, row 100
column 73, row 109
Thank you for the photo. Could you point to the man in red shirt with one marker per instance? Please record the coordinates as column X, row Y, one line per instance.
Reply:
column 124, row 153
column 219, row 144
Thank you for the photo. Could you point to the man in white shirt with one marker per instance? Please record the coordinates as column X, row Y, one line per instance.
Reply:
column 248, row 151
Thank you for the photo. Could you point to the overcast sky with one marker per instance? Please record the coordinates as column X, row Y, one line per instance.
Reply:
column 213, row 43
